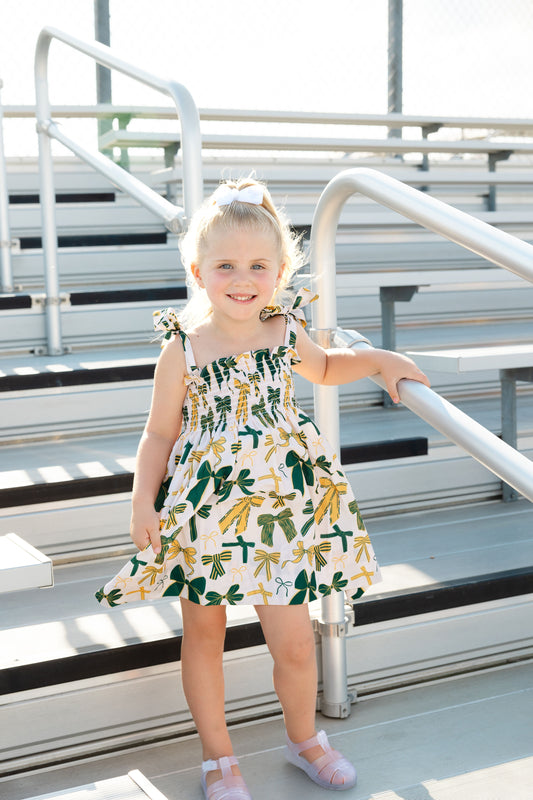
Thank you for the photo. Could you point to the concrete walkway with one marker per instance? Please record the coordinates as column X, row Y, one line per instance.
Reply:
column 465, row 738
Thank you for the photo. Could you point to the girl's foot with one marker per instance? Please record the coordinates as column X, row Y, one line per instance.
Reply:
column 325, row 766
column 229, row 786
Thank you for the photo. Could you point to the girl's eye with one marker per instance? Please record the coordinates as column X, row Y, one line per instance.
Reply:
column 258, row 266
column 225, row 266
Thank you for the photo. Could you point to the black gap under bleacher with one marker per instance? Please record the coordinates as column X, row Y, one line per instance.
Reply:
column 441, row 596
column 13, row 301
column 78, row 197
column 128, row 295
column 97, row 240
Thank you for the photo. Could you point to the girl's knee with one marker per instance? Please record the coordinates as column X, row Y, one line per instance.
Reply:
column 296, row 652
column 202, row 626
column 289, row 634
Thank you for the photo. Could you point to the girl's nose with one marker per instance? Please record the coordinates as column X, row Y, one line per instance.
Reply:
column 241, row 278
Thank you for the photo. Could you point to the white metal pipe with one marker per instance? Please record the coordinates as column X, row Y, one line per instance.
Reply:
column 496, row 246
column 172, row 216
column 335, row 701
column 190, row 144
column 47, row 198
column 499, row 457
column 6, row 272
column 187, row 111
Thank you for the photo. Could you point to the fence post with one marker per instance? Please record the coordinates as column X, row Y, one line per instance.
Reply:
column 103, row 74
column 395, row 62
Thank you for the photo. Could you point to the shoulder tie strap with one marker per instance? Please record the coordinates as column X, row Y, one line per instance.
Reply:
column 166, row 320
column 293, row 313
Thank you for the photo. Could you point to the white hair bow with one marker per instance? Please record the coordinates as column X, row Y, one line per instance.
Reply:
column 225, row 195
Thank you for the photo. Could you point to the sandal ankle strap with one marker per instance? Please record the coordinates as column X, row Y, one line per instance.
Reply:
column 219, row 763
column 319, row 738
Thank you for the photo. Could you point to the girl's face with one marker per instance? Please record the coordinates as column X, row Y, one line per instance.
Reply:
column 240, row 270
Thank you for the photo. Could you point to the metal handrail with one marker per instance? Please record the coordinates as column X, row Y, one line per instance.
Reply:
column 173, row 216
column 495, row 245
column 6, row 272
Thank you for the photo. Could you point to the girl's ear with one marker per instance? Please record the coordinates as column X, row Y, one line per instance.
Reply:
column 280, row 273
column 195, row 270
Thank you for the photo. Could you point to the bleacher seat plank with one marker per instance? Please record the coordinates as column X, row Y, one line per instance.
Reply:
column 127, row 138
column 469, row 359
column 22, row 566
column 133, row 786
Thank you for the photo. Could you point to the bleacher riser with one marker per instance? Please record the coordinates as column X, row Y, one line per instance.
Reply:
column 77, row 218
column 157, row 264
column 70, row 176
column 122, row 406
column 366, row 250
column 103, row 267
column 83, row 327
column 74, row 411
column 126, row 215
column 74, row 530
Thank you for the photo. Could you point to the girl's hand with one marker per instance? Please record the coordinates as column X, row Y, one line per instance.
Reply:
column 144, row 528
column 394, row 367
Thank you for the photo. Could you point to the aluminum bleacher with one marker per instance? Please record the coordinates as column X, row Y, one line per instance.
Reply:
column 458, row 589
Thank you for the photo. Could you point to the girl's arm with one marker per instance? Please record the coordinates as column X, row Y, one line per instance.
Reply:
column 160, row 432
column 338, row 366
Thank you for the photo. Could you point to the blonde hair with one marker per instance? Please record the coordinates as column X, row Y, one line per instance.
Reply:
column 238, row 214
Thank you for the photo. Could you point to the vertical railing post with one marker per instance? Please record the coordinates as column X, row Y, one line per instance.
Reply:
column 508, row 416
column 47, row 200
column 6, row 282
column 335, row 701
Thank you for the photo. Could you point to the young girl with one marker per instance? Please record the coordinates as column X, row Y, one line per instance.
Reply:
column 237, row 498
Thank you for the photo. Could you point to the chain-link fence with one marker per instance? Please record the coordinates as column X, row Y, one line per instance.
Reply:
column 460, row 57
column 467, row 57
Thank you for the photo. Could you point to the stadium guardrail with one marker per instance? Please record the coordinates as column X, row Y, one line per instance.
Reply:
column 173, row 216
column 495, row 245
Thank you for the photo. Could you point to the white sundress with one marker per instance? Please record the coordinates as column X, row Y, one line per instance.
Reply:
column 255, row 508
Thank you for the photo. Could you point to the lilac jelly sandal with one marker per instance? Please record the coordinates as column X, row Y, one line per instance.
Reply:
column 330, row 770
column 230, row 786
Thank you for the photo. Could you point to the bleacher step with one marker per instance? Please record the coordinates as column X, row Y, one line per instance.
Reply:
column 419, row 553
column 493, row 753
column 61, row 651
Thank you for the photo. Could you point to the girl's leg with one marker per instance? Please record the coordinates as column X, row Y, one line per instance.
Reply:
column 290, row 639
column 204, row 630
